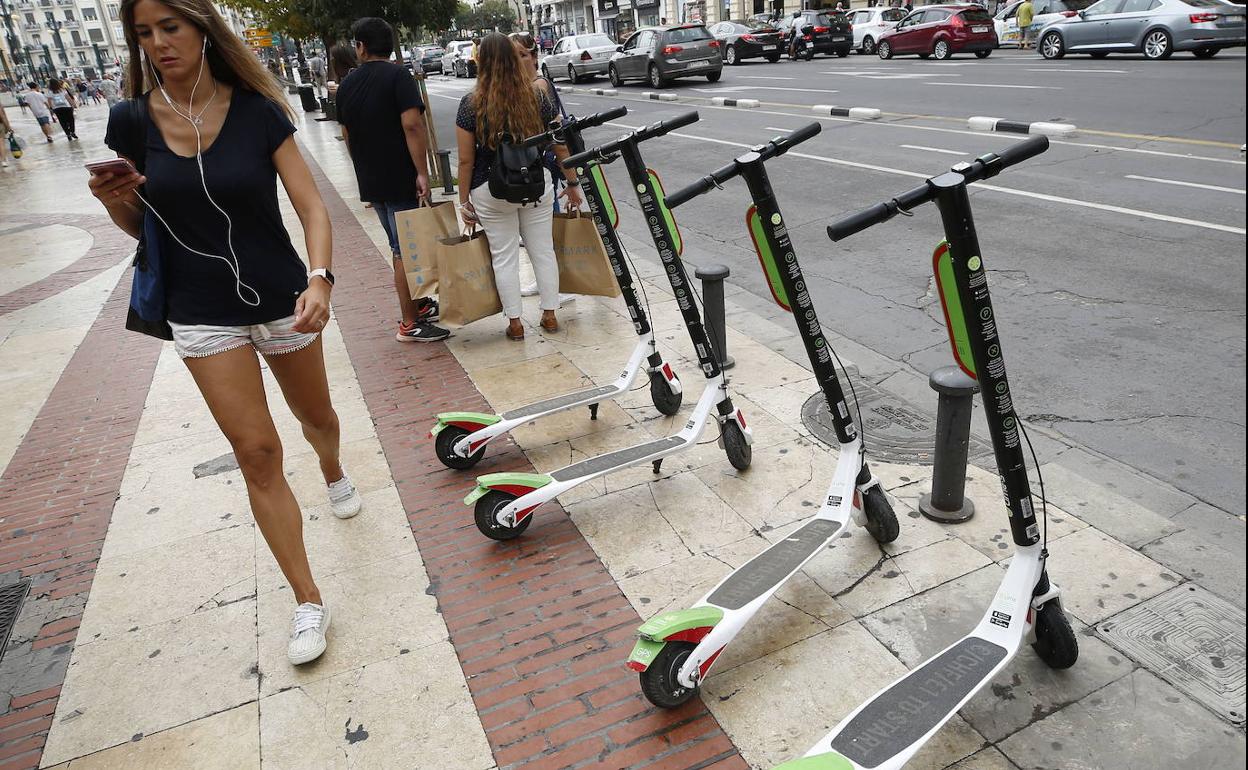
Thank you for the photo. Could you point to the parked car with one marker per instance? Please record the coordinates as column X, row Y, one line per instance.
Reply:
column 458, row 59
column 579, row 56
column 1155, row 28
column 941, row 31
column 1044, row 12
column 657, row 55
column 748, row 39
column 430, row 58
column 870, row 23
column 825, row 33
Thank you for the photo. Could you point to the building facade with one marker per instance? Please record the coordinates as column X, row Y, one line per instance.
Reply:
column 67, row 38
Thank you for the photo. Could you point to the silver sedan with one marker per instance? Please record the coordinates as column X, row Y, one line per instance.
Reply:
column 1155, row 28
column 579, row 56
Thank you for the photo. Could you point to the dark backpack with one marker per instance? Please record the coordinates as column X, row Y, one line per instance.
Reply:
column 518, row 174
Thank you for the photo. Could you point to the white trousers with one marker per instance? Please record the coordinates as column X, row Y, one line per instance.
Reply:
column 504, row 223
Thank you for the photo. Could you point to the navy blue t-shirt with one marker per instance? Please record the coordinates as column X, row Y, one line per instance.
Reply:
column 239, row 170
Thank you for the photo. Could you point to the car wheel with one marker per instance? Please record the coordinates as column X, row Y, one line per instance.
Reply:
column 842, row 53
column 656, row 78
column 885, row 50
column 942, row 50
column 1157, row 45
column 809, row 53
column 773, row 58
column 730, row 55
column 572, row 77
column 868, row 45
column 614, row 76
column 983, row 54
column 546, row 74
column 713, row 77
column 1052, row 47
column 1205, row 53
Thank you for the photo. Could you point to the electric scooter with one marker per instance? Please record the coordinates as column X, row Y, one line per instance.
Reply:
column 504, row 502
column 675, row 650
column 461, row 437
column 886, row 731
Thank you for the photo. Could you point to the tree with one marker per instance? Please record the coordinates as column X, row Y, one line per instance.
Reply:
column 497, row 15
column 331, row 20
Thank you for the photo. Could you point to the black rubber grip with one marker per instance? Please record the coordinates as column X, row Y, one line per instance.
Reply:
column 582, row 157
column 598, row 118
column 666, row 126
column 808, row 131
column 1025, row 150
column 689, row 192
column 856, row 223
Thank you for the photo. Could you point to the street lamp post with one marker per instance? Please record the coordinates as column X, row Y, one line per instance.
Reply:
column 55, row 26
column 99, row 58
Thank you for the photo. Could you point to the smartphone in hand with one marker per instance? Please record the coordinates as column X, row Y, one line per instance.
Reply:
column 116, row 166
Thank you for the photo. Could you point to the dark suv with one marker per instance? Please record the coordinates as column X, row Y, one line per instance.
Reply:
column 817, row 32
column 658, row 55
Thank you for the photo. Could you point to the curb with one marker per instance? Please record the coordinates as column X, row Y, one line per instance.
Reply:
column 1019, row 127
column 659, row 96
column 600, row 91
column 862, row 113
column 724, row 101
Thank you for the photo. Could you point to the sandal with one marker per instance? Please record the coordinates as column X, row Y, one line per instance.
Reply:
column 515, row 330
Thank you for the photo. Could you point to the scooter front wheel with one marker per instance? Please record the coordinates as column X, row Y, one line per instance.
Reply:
column 486, row 516
column 444, row 446
column 661, row 394
column 881, row 520
column 1056, row 643
column 659, row 683
column 735, row 445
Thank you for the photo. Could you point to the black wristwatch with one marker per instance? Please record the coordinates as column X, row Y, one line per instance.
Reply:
column 323, row 273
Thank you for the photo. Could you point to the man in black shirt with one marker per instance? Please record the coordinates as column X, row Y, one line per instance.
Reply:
column 383, row 124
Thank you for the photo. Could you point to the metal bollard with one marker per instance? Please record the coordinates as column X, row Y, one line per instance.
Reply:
column 444, row 170
column 947, row 503
column 712, row 277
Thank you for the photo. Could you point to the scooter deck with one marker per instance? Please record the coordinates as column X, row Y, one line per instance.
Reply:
column 773, row 565
column 588, row 396
column 617, row 459
column 913, row 706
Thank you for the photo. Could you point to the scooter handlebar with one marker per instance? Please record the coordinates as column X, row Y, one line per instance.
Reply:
column 775, row 147
column 797, row 136
column 575, row 124
column 640, row 135
column 1025, row 150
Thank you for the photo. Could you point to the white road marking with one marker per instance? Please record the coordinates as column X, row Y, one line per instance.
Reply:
column 764, row 77
column 574, row 104
column 1213, row 187
column 931, row 149
column 999, row 85
column 996, row 188
column 1098, row 72
column 734, row 89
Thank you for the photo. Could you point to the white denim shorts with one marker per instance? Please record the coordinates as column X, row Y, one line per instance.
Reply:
column 269, row 339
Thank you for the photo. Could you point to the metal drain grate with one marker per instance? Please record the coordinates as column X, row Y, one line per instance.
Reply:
column 1192, row 639
column 11, row 598
column 895, row 431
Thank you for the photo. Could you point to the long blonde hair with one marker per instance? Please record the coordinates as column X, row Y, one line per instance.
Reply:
column 506, row 99
column 229, row 60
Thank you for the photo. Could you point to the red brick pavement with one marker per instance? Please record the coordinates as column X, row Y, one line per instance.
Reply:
column 540, row 627
column 58, row 491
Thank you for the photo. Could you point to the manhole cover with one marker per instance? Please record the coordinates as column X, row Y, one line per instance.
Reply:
column 11, row 598
column 895, row 431
column 1190, row 638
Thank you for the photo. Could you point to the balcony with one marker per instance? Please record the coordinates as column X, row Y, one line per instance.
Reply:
column 31, row 26
column 65, row 3
column 71, row 25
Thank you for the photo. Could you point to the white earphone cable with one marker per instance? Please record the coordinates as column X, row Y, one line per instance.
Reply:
column 232, row 261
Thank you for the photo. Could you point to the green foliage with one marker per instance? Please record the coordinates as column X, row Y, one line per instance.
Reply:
column 331, row 19
column 488, row 15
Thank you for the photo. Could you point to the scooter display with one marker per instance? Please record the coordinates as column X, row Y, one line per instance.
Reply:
column 675, row 650
column 460, row 438
column 887, row 730
column 504, row 502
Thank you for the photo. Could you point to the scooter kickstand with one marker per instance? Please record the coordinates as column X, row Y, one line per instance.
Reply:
column 593, row 411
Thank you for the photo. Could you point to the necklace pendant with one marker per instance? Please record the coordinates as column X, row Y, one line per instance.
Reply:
column 198, row 120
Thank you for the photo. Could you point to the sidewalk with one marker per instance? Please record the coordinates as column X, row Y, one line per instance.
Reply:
column 452, row 651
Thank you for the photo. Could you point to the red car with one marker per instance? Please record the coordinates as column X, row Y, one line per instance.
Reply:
column 941, row 31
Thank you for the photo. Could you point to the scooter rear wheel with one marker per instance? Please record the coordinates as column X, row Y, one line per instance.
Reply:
column 444, row 446
column 659, row 683
column 735, row 445
column 1056, row 643
column 486, row 516
column 664, row 399
column 881, row 520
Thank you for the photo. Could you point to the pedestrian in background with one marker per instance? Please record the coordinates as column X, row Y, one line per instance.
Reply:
column 110, row 89
column 244, row 289
column 1025, row 16
column 383, row 123
column 341, row 61
column 63, row 101
column 6, row 128
column 40, row 109
column 507, row 101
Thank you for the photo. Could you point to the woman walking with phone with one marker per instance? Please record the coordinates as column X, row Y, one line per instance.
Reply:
column 507, row 102
column 214, row 132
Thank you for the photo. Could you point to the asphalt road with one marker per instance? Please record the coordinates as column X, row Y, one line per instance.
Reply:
column 1118, row 263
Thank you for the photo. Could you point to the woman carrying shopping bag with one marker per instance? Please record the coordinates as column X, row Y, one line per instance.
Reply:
column 506, row 107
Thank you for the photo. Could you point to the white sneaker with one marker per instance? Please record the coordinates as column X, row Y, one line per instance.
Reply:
column 307, row 633
column 344, row 499
column 529, row 290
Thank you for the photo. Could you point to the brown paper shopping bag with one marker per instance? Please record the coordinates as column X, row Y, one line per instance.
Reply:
column 583, row 264
column 466, row 288
column 419, row 231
